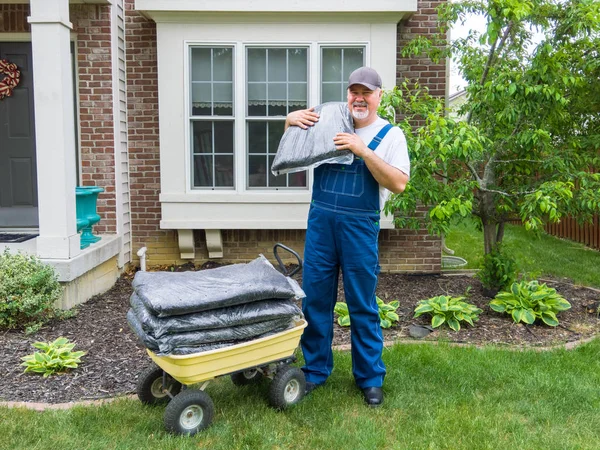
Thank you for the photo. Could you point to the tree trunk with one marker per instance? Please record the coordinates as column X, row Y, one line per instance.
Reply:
column 489, row 236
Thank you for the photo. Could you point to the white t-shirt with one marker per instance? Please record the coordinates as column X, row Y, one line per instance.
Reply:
column 392, row 150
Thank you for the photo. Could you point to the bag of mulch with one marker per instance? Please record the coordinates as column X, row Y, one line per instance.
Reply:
column 301, row 149
column 244, row 314
column 166, row 344
column 167, row 294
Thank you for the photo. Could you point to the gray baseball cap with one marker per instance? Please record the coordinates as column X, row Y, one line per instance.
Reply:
column 366, row 76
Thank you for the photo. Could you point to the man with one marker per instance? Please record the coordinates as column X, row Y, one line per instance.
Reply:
column 342, row 232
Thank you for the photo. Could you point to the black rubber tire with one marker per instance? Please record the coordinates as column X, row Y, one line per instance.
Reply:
column 246, row 377
column 149, row 386
column 287, row 387
column 189, row 412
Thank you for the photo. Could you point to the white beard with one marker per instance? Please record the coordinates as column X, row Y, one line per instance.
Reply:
column 360, row 115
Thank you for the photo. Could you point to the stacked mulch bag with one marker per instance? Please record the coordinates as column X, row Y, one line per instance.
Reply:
column 180, row 313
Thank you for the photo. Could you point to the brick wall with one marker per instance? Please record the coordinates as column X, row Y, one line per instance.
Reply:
column 93, row 27
column 415, row 250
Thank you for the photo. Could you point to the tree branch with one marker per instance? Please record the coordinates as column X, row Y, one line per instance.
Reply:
column 491, row 55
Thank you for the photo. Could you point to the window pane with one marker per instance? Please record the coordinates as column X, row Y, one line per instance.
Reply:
column 201, row 64
column 224, row 137
column 298, row 64
column 257, row 99
column 297, row 94
column 276, row 180
column 223, row 64
column 332, row 64
column 223, row 171
column 277, row 64
column 332, row 92
column 257, row 64
column 257, row 137
column 223, row 99
column 275, row 134
column 257, row 168
column 201, row 99
column 212, row 147
column 203, row 171
column 353, row 59
column 297, row 179
column 202, row 137
column 277, row 93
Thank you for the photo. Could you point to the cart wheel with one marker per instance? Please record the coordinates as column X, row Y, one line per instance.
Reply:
column 287, row 387
column 149, row 386
column 250, row 376
column 189, row 412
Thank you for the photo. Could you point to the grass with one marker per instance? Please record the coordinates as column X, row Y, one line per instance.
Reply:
column 437, row 397
column 544, row 255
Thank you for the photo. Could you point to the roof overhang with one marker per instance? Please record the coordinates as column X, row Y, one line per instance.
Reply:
column 277, row 11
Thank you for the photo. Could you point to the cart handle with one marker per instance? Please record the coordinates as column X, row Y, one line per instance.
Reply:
column 281, row 265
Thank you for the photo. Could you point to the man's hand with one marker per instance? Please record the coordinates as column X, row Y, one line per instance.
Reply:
column 302, row 118
column 350, row 141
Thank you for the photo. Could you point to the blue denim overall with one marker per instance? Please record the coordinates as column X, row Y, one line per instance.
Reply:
column 342, row 232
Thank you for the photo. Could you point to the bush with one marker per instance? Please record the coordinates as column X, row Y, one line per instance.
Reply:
column 28, row 291
column 497, row 271
column 528, row 301
column 450, row 310
column 387, row 313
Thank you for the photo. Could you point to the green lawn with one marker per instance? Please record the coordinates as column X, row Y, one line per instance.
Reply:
column 437, row 397
column 544, row 255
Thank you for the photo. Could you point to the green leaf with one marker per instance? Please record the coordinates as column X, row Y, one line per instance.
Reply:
column 423, row 308
column 437, row 320
column 454, row 324
column 549, row 319
column 344, row 321
column 385, row 323
column 528, row 316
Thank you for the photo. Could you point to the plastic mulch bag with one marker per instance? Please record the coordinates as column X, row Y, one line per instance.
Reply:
column 174, row 293
column 300, row 149
column 166, row 344
column 230, row 316
column 151, row 343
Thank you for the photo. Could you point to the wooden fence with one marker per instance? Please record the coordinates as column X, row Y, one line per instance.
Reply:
column 568, row 228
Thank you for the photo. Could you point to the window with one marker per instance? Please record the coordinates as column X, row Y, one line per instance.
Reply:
column 337, row 64
column 276, row 83
column 212, row 117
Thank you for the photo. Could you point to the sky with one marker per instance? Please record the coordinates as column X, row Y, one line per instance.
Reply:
column 460, row 31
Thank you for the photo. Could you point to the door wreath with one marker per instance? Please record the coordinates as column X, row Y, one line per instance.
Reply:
column 11, row 80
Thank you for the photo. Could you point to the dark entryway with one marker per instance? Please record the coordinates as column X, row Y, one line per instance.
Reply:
column 18, row 175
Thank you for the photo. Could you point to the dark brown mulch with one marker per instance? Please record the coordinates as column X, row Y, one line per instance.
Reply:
column 114, row 357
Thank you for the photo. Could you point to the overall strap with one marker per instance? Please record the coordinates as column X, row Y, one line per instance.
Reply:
column 377, row 139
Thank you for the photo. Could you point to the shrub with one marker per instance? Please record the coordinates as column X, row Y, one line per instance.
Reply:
column 527, row 301
column 450, row 310
column 55, row 357
column 497, row 271
column 28, row 291
column 387, row 313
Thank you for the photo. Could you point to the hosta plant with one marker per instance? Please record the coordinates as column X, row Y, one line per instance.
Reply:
column 54, row 357
column 527, row 301
column 449, row 310
column 387, row 313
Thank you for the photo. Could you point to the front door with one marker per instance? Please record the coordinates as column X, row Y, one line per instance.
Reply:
column 18, row 176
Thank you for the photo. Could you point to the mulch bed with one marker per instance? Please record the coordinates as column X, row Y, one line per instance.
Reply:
column 115, row 358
